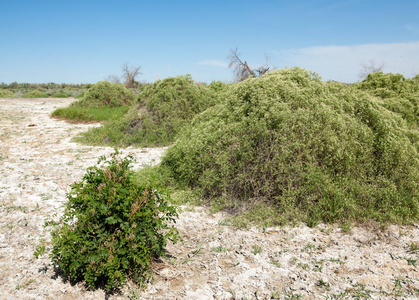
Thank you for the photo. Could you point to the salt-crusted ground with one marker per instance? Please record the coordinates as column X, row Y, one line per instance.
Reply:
column 38, row 163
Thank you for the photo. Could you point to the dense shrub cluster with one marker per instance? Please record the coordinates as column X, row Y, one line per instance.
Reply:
column 105, row 93
column 103, row 101
column 6, row 94
column 61, row 94
column 112, row 229
column 164, row 108
column 42, row 86
column 399, row 94
column 310, row 150
column 218, row 86
column 35, row 94
column 51, row 88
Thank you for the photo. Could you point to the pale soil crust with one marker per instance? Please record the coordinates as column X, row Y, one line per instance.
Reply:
column 38, row 162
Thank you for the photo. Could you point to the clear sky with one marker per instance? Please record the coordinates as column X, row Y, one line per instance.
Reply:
column 86, row 41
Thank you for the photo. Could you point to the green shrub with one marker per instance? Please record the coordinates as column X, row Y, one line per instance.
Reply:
column 61, row 94
column 310, row 151
column 112, row 229
column 218, row 86
column 81, row 95
column 5, row 93
column 35, row 94
column 90, row 114
column 157, row 176
column 164, row 108
column 105, row 93
column 400, row 95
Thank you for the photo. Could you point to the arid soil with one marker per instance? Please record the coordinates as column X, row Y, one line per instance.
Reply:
column 38, row 162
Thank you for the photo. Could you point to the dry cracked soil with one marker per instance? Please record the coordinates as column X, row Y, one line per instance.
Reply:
column 38, row 162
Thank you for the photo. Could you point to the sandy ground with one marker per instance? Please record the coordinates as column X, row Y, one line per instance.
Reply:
column 38, row 162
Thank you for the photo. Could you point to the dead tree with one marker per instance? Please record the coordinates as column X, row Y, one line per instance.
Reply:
column 369, row 68
column 242, row 69
column 129, row 75
column 113, row 79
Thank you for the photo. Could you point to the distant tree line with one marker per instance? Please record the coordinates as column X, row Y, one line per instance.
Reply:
column 43, row 86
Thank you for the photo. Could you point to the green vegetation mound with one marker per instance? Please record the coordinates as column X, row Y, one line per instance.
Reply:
column 164, row 108
column 61, row 94
column 90, row 114
column 35, row 94
column 303, row 150
column 103, row 101
column 112, row 229
column 5, row 93
column 399, row 94
column 106, row 93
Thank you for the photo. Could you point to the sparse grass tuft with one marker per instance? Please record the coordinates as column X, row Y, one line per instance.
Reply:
column 90, row 114
column 257, row 249
column 414, row 247
column 219, row 249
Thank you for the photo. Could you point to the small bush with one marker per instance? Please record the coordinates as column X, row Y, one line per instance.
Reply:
column 61, row 94
column 105, row 93
column 81, row 95
column 5, row 93
column 112, row 229
column 35, row 94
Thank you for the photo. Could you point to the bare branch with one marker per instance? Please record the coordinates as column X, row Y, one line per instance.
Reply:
column 242, row 70
column 113, row 79
column 369, row 68
column 264, row 68
column 129, row 75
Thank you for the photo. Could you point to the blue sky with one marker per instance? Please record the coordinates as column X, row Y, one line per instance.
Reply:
column 86, row 41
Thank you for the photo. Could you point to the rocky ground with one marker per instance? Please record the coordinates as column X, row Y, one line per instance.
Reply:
column 38, row 162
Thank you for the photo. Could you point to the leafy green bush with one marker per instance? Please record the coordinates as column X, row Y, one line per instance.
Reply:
column 35, row 94
column 105, row 93
column 5, row 93
column 400, row 95
column 61, row 94
column 218, row 86
column 103, row 101
column 81, row 95
column 305, row 149
column 164, row 108
column 112, row 229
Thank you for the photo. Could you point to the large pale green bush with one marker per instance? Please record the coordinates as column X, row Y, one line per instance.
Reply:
column 164, row 108
column 105, row 93
column 310, row 151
